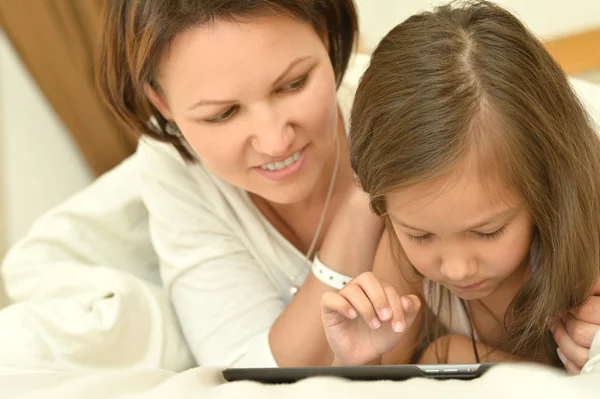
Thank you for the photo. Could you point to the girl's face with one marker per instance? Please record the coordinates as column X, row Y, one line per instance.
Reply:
column 462, row 234
column 256, row 100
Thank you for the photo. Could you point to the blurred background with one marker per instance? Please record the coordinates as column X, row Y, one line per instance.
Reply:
column 56, row 136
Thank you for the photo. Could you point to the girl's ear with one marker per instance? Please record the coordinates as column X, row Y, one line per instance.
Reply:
column 158, row 101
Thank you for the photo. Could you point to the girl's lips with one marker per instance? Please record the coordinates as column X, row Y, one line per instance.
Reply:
column 469, row 287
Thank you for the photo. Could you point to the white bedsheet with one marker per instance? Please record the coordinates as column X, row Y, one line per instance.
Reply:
column 514, row 381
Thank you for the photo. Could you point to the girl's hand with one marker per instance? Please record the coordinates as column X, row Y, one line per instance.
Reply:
column 366, row 319
column 575, row 332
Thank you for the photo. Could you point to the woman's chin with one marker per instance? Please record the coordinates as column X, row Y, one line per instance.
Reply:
column 286, row 196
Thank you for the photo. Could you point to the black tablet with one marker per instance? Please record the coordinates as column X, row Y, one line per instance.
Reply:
column 286, row 375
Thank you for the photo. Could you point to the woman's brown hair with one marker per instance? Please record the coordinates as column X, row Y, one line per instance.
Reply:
column 433, row 82
column 138, row 32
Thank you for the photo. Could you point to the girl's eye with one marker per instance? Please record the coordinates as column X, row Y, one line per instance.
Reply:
column 295, row 85
column 491, row 236
column 224, row 116
column 419, row 239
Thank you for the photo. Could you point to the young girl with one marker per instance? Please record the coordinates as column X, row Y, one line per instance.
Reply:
column 474, row 149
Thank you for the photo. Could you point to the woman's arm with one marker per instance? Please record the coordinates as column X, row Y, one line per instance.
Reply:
column 297, row 337
column 230, row 311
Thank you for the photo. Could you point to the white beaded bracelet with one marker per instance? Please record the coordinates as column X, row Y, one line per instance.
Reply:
column 327, row 276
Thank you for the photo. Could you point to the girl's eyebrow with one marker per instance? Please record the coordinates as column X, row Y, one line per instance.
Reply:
column 489, row 220
column 494, row 218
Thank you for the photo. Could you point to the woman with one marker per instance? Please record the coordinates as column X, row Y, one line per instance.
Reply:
column 252, row 167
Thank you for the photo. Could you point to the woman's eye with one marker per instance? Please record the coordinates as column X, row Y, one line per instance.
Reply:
column 491, row 236
column 295, row 85
column 224, row 116
column 419, row 239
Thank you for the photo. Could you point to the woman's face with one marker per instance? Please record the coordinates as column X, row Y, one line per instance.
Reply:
column 256, row 101
column 463, row 235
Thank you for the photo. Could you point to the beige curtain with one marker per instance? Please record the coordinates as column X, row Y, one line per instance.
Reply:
column 57, row 41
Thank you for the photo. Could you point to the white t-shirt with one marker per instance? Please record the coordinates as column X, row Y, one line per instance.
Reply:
column 227, row 269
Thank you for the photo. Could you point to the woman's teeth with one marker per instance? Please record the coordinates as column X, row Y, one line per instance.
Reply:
column 284, row 164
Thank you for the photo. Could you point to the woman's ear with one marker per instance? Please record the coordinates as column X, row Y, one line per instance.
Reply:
column 158, row 101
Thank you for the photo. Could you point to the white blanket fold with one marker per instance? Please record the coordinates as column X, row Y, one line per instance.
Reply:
column 87, row 295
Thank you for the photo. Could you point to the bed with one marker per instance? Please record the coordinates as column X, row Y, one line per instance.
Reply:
column 58, row 337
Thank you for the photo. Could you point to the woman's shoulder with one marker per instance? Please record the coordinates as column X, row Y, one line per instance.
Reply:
column 159, row 157
column 163, row 173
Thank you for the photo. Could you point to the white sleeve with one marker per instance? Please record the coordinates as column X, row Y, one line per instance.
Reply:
column 224, row 301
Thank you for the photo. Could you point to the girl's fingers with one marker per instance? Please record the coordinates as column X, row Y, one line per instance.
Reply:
column 412, row 304
column 580, row 331
column 355, row 295
column 589, row 312
column 398, row 321
column 374, row 288
column 376, row 301
column 575, row 354
column 332, row 302
column 569, row 366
